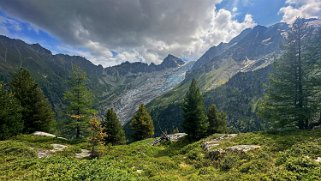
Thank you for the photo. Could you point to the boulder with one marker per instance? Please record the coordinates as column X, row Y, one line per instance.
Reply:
column 318, row 159
column 169, row 138
column 83, row 154
column 243, row 148
column 208, row 145
column 41, row 133
column 55, row 148
column 215, row 154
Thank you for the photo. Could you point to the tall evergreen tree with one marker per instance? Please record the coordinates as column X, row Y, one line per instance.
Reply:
column 142, row 124
column 293, row 97
column 217, row 120
column 79, row 101
column 195, row 122
column 114, row 131
column 10, row 114
column 36, row 111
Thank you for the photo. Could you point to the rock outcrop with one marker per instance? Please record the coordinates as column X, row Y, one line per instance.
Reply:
column 214, row 154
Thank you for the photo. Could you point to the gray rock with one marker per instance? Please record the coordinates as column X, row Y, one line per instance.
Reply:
column 41, row 133
column 243, row 148
column 83, row 154
column 215, row 142
column 48, row 153
column 169, row 137
column 215, row 154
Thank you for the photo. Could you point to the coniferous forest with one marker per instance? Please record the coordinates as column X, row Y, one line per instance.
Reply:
column 247, row 107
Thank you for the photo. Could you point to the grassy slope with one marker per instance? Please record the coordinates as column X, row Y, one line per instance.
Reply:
column 283, row 156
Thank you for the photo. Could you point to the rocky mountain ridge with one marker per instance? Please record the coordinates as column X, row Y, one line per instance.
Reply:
column 123, row 86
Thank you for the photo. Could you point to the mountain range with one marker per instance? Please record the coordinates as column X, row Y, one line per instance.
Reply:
column 231, row 75
column 122, row 87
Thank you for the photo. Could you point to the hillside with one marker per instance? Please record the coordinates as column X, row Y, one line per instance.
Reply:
column 123, row 86
column 243, row 59
column 288, row 155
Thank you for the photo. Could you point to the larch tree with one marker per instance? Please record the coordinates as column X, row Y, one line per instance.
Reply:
column 97, row 135
column 79, row 101
column 293, row 93
column 195, row 121
column 11, row 122
column 142, row 124
column 115, row 134
column 36, row 110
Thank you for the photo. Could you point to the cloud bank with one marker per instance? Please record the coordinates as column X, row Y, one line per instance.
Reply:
column 109, row 32
column 300, row 8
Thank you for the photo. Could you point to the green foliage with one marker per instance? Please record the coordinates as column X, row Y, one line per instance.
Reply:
column 142, row 124
column 286, row 155
column 36, row 111
column 79, row 101
column 10, row 114
column 115, row 134
column 217, row 120
column 293, row 94
column 195, row 122
column 97, row 136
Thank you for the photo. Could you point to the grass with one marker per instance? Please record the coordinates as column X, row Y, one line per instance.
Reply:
column 283, row 156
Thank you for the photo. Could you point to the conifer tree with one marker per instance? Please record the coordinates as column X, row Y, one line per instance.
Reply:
column 195, row 122
column 36, row 111
column 217, row 120
column 114, row 131
column 10, row 114
column 142, row 124
column 293, row 94
column 97, row 135
column 79, row 101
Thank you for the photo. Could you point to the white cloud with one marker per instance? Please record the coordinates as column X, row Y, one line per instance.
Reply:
column 138, row 30
column 300, row 8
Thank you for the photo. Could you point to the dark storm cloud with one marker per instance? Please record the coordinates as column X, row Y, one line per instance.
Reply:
column 146, row 29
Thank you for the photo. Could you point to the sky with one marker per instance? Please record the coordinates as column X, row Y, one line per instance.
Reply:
column 109, row 32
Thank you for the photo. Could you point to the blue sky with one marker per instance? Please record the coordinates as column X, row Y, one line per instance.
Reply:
column 141, row 32
column 264, row 12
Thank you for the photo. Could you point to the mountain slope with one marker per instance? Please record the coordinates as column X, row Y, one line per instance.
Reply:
column 252, row 50
column 123, row 86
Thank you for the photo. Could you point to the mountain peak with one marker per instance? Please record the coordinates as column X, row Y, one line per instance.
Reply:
column 171, row 61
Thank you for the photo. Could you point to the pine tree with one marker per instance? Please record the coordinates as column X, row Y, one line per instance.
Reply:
column 97, row 135
column 195, row 122
column 10, row 114
column 217, row 120
column 114, row 131
column 292, row 97
column 36, row 111
column 142, row 124
column 79, row 101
